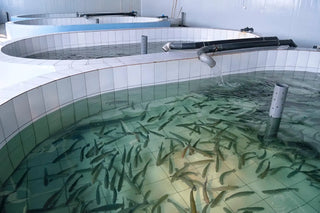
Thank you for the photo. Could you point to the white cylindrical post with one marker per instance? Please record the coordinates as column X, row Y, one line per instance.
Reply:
column 144, row 44
column 183, row 18
column 278, row 99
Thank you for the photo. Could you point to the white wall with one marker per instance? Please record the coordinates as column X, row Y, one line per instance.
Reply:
column 21, row 7
column 296, row 19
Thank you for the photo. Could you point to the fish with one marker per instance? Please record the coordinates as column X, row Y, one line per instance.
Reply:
column 205, row 153
column 129, row 154
column 62, row 173
column 284, row 156
column 161, row 160
column 144, row 170
column 178, row 172
column 112, row 160
column 204, row 192
column 135, row 178
column 124, row 128
column 181, row 137
column 115, row 196
column 277, row 169
column 159, row 201
column 225, row 188
column 53, row 199
column 82, row 152
column 260, row 165
column 226, row 210
column 96, row 171
column 251, row 209
column 177, row 206
column 130, row 171
column 106, row 179
column 192, row 201
column 296, row 171
column 159, row 209
column 171, row 165
column 146, row 142
column 113, row 180
column 279, row 190
column 223, row 175
column 144, row 129
column 244, row 155
column 217, row 163
column 45, row 177
column 185, row 151
column 70, row 177
column 239, row 194
column 205, row 208
column 124, row 155
column 159, row 153
column 217, row 199
column 163, row 125
column 75, row 183
column 199, row 162
column 120, row 183
column 137, row 156
column 205, row 170
column 109, row 131
column 100, row 133
column 108, row 207
column 156, row 133
column 162, row 115
column 153, row 118
column 101, row 156
column 146, row 196
column 173, row 116
column 98, row 198
column 265, row 172
column 67, row 152
column 263, row 155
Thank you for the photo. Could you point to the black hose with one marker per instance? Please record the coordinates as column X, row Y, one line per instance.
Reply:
column 197, row 45
column 133, row 13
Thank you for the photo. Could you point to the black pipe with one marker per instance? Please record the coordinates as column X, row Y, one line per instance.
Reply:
column 249, row 43
column 197, row 45
column 133, row 13
column 7, row 16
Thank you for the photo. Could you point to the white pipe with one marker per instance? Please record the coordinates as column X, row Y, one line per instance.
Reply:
column 144, row 44
column 278, row 99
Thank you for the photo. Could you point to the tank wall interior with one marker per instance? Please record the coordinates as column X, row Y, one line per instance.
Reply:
column 17, row 7
column 29, row 46
column 61, row 95
column 38, row 16
column 35, row 27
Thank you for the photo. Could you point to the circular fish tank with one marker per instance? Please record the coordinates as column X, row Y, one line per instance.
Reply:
column 35, row 27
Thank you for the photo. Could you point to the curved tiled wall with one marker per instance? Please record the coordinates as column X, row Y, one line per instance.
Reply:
column 35, row 27
column 29, row 46
column 61, row 101
column 37, row 16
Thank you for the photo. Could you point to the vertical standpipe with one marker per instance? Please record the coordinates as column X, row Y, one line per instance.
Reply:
column 144, row 44
column 97, row 21
column 278, row 99
column 183, row 18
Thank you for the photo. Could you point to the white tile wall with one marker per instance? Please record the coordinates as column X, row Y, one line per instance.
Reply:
column 36, row 103
column 271, row 58
column 120, row 78
column 92, row 83
column 244, row 61
column 235, row 62
column 262, row 58
column 106, row 80
column 302, row 61
column 50, row 96
column 134, row 75
column 252, row 65
column 226, row 63
column 291, row 59
column 22, row 109
column 160, row 74
column 172, row 71
column 147, row 74
column 78, row 86
column 313, row 61
column 205, row 70
column 64, row 91
column 81, row 39
column 281, row 59
column 195, row 68
column 184, row 69
column 8, row 118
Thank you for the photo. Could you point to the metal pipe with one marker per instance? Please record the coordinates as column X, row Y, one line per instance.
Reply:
column 183, row 19
column 144, row 44
column 97, row 21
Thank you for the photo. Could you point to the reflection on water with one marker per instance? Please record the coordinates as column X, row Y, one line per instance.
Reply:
column 198, row 151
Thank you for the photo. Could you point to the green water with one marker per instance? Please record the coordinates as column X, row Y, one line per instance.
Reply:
column 96, row 52
column 208, row 136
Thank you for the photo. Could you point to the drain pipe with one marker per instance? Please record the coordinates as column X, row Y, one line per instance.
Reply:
column 275, row 113
column 144, row 44
column 97, row 21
